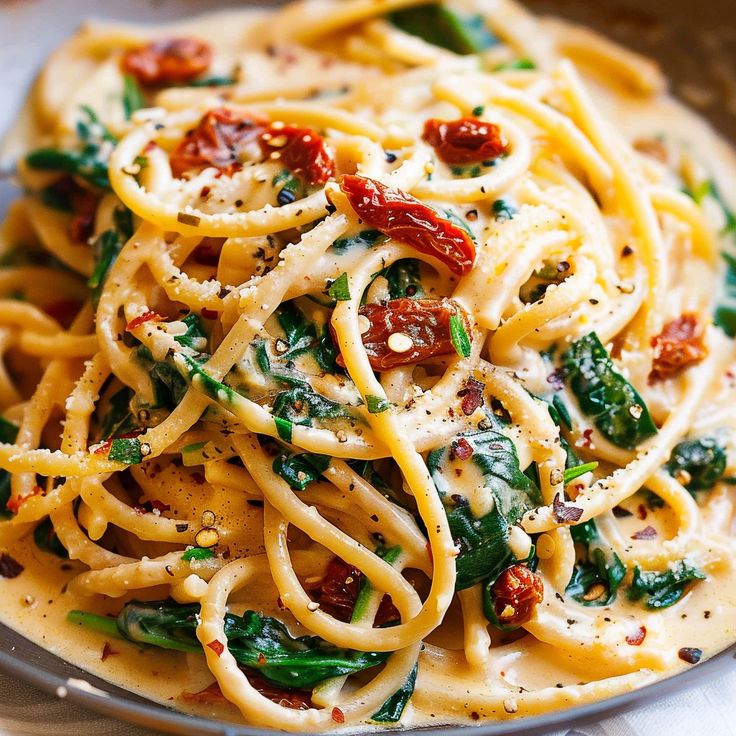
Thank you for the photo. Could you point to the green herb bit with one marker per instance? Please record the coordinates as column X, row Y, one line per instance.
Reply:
column 617, row 409
column 132, row 96
column 459, row 336
column 477, row 111
column 339, row 289
column 516, row 65
column 197, row 553
column 577, row 471
column 663, row 589
column 126, row 450
column 376, row 404
column 213, row 81
column 503, row 210
column 440, row 26
column 284, row 428
column 102, row 624
column 365, row 239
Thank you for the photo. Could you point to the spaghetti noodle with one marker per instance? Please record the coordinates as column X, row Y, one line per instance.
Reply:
column 365, row 358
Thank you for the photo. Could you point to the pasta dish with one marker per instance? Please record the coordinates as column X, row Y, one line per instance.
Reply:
column 367, row 364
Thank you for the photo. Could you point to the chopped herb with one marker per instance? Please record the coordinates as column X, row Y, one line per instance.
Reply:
column 132, row 96
column 617, row 409
column 214, row 81
column 577, row 471
column 476, row 112
column 503, row 210
column 376, row 404
column 284, row 428
column 340, row 288
column 197, row 553
column 126, row 450
column 438, row 25
column 517, row 64
column 459, row 336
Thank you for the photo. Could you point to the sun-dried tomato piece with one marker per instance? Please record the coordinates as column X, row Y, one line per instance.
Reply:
column 218, row 140
column 516, row 593
column 406, row 331
column 301, row 150
column 401, row 216
column 677, row 347
column 471, row 395
column 338, row 590
column 285, row 697
column 464, row 141
column 168, row 61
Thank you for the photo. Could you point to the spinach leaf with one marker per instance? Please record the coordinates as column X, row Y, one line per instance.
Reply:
column 602, row 572
column 618, row 411
column 698, row 464
column 256, row 641
column 89, row 163
column 44, row 535
column 301, row 404
column 393, row 708
column 299, row 470
column 404, row 279
column 663, row 589
column 438, row 25
column 106, row 248
column 132, row 96
column 483, row 542
column 118, row 417
column 195, row 338
column 303, row 336
column 8, row 433
column 365, row 239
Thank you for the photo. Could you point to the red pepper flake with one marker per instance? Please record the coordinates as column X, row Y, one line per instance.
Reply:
column 261, row 658
column 337, row 715
column 9, row 567
column 301, row 150
column 462, row 449
column 641, row 511
column 159, row 506
column 104, row 447
column 691, row 655
column 588, row 437
column 648, row 532
column 677, row 347
column 207, row 253
column 108, row 651
column 464, row 141
column 141, row 319
column 399, row 215
column 565, row 514
column 198, row 478
column 638, row 637
column 14, row 503
column 168, row 61
column 216, row 646
column 472, row 395
column 209, row 313
column 81, row 227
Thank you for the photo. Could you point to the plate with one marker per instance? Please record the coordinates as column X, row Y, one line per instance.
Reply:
column 696, row 46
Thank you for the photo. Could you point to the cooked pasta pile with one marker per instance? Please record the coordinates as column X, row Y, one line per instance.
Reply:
column 356, row 350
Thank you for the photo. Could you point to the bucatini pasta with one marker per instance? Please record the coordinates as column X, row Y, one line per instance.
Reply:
column 367, row 363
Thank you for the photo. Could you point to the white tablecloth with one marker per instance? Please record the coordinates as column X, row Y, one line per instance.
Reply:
column 706, row 711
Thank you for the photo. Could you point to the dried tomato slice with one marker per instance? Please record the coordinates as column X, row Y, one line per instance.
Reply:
column 516, row 593
column 168, row 61
column 338, row 590
column 285, row 697
column 464, row 141
column 218, row 140
column 406, row 331
column 677, row 347
column 301, row 150
column 401, row 216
